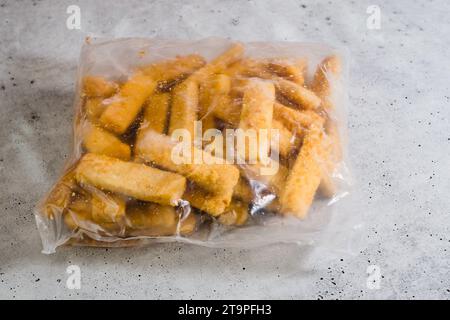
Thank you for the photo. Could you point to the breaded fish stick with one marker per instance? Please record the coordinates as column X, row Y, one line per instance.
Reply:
column 235, row 214
column 295, row 120
column 304, row 177
column 60, row 195
column 155, row 219
column 96, row 86
column 184, row 107
column 254, row 68
column 269, row 69
column 219, row 64
column 94, row 108
column 227, row 109
column 288, row 69
column 328, row 69
column 210, row 93
column 257, row 109
column 127, row 104
column 156, row 112
column 299, row 95
column 217, row 86
column 131, row 179
column 107, row 207
column 79, row 214
column 151, row 219
column 100, row 141
column 276, row 180
column 213, row 204
column 213, row 177
column 287, row 140
column 173, row 70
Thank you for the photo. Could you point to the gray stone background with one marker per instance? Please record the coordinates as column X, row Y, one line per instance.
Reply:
column 399, row 142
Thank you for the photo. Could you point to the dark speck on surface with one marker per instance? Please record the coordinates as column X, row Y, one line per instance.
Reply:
column 34, row 116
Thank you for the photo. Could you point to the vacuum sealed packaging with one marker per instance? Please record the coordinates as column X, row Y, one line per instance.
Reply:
column 211, row 142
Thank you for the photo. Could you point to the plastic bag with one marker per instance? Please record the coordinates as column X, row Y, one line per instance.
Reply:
column 210, row 142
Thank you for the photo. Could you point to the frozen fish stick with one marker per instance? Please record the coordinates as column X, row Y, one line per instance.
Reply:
column 269, row 69
column 274, row 179
column 231, row 55
column 127, row 104
column 210, row 93
column 304, row 177
column 173, row 70
column 235, row 69
column 227, row 109
column 94, row 108
column 219, row 64
column 184, row 107
column 96, row 86
column 287, row 140
column 100, row 141
column 236, row 214
column 218, row 85
column 151, row 219
column 60, row 195
column 213, row 204
column 131, row 179
column 288, row 69
column 295, row 120
column 107, row 207
column 299, row 95
column 209, row 174
column 238, row 85
column 156, row 112
column 328, row 69
column 257, row 108
column 254, row 68
column 79, row 214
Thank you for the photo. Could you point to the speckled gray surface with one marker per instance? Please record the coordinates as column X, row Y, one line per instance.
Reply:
column 399, row 132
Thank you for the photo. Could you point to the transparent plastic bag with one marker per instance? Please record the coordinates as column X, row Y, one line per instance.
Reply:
column 210, row 142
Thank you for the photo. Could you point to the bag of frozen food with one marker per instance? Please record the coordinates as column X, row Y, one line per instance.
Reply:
column 211, row 142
